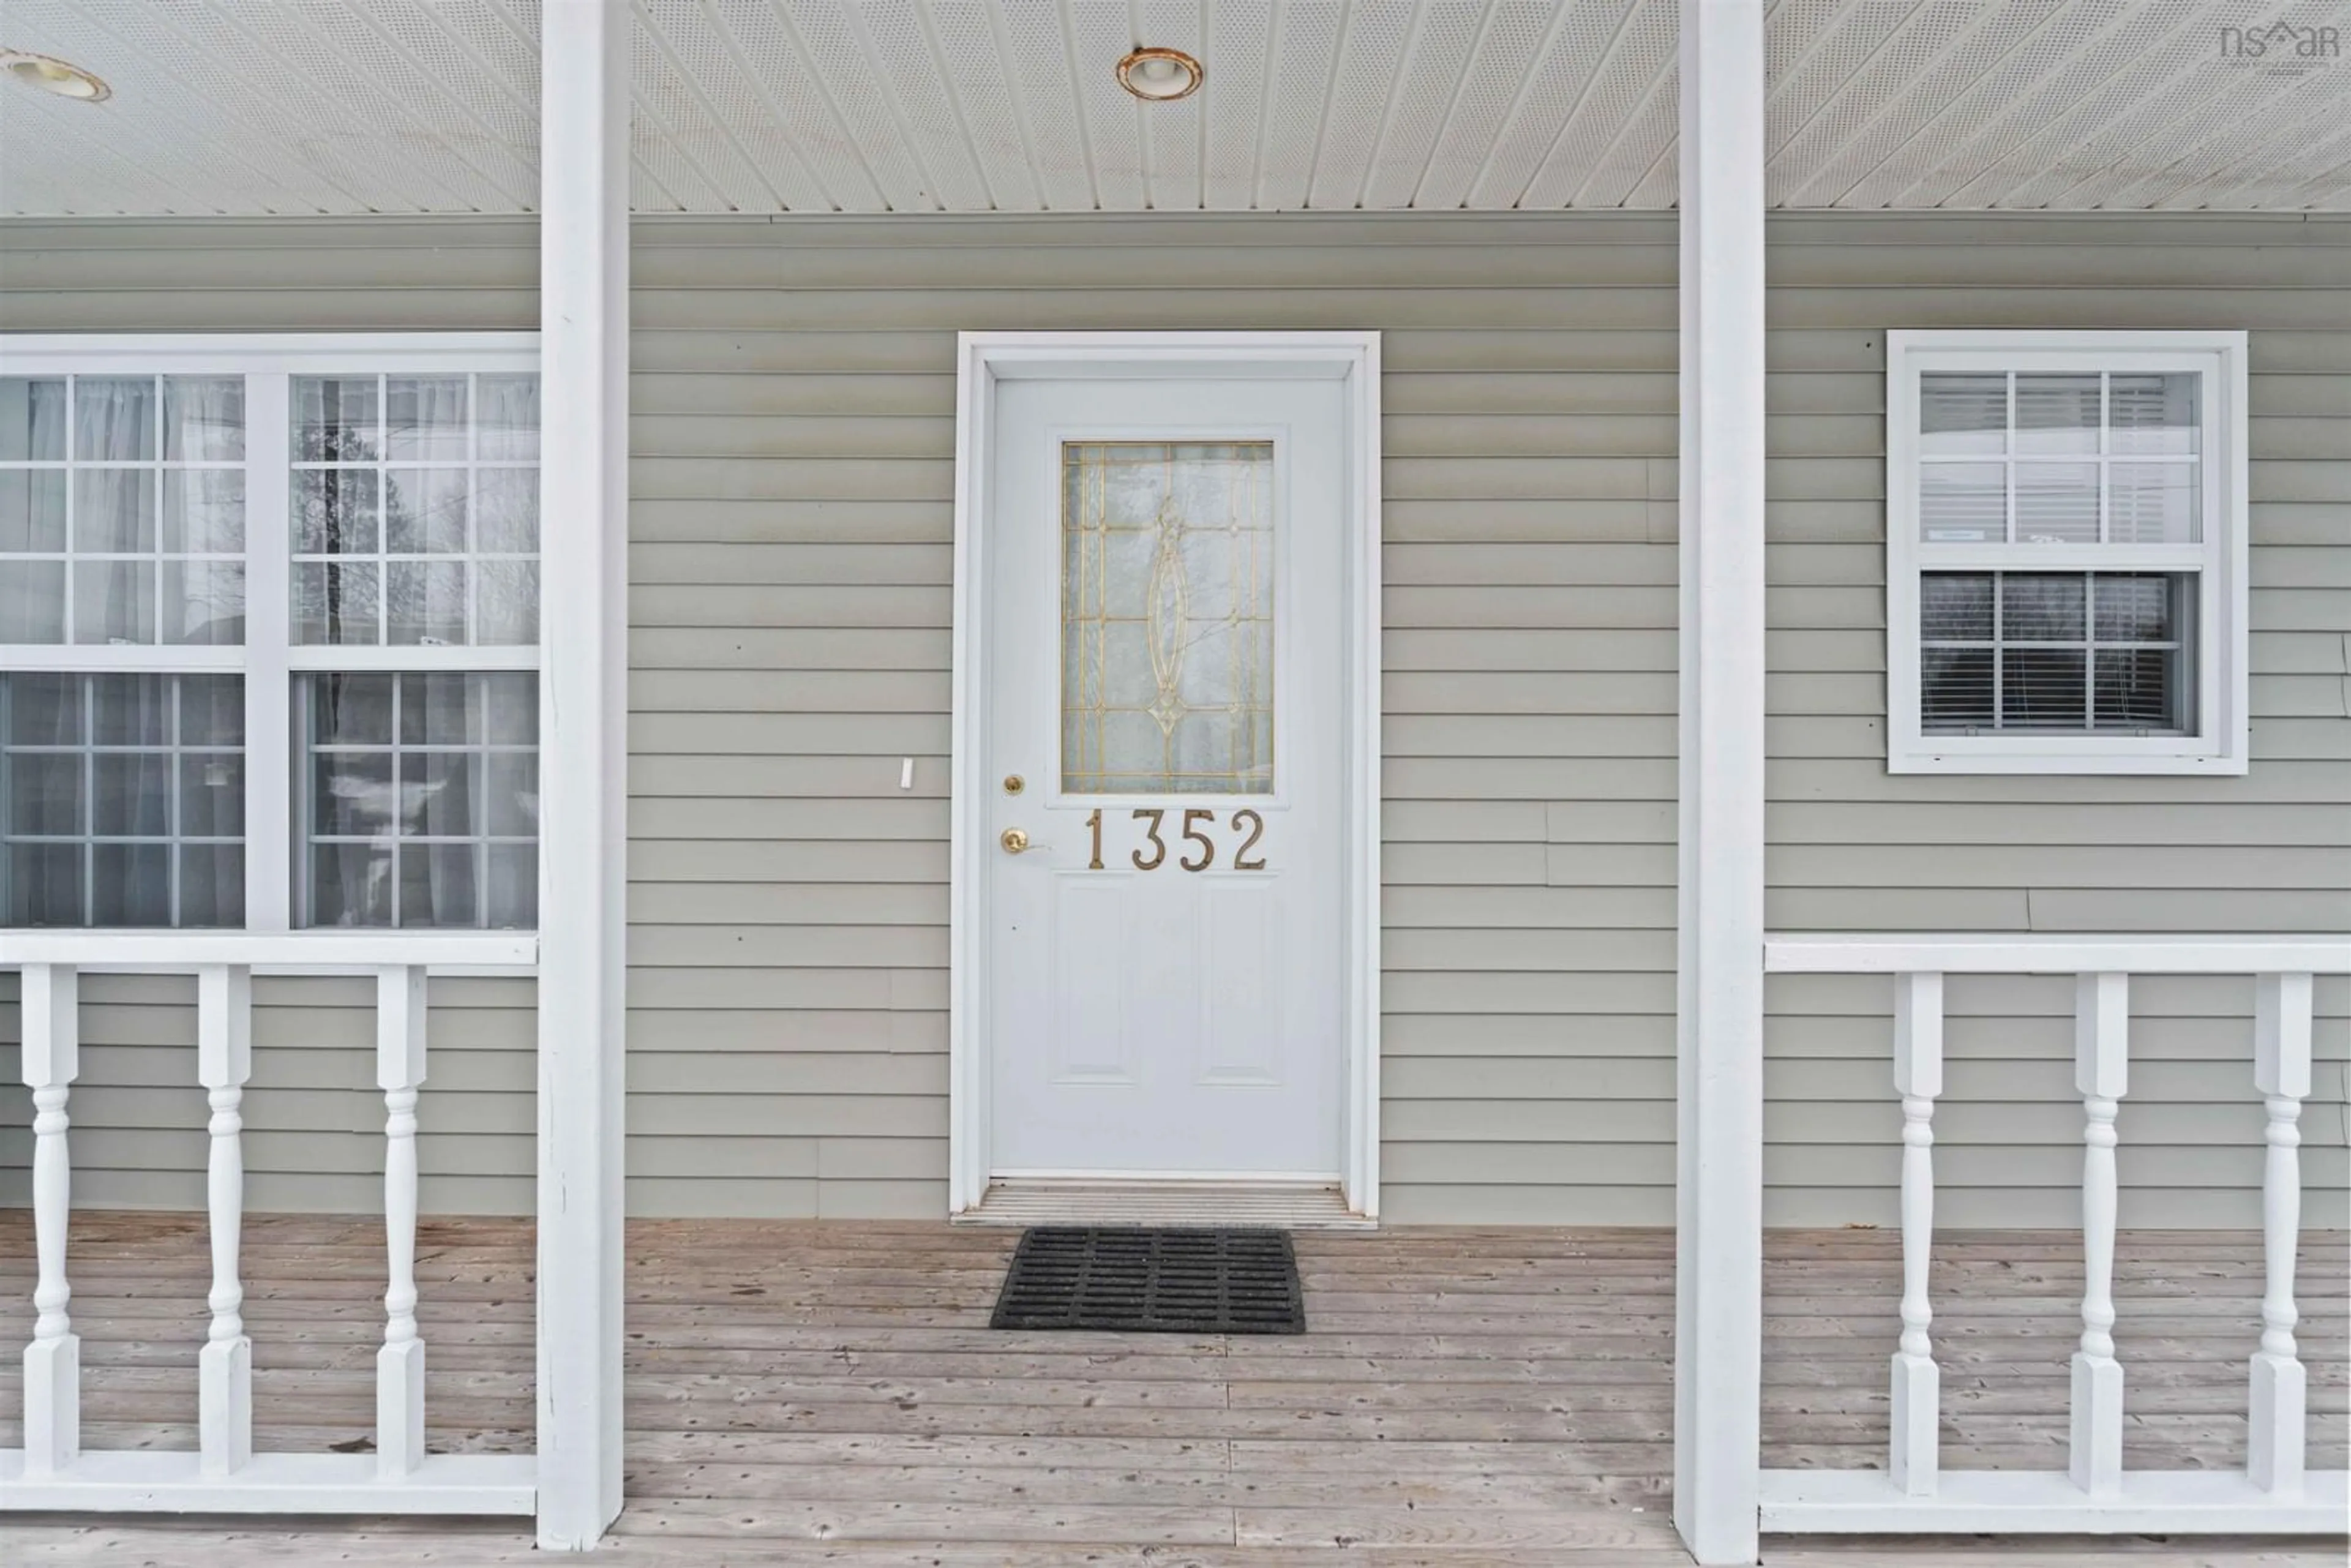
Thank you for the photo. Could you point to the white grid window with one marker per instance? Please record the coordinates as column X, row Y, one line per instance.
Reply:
column 2065, row 552
column 420, row 802
column 416, row 509
column 268, row 631
column 125, row 799
column 2055, row 652
column 121, row 509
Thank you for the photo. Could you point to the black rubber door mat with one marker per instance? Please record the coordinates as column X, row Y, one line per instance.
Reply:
column 1153, row 1281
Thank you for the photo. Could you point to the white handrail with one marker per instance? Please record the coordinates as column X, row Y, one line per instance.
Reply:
column 1876, row 953
column 350, row 952
column 223, row 1474
column 2275, row 1493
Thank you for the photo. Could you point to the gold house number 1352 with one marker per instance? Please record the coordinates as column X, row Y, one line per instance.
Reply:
column 1201, row 850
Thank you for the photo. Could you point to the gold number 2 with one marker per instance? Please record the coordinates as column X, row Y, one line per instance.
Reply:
column 1256, row 825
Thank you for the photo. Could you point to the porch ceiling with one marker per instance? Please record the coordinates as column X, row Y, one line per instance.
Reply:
column 766, row 106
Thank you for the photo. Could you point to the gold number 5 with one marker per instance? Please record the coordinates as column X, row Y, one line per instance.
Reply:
column 1194, row 835
column 1158, row 849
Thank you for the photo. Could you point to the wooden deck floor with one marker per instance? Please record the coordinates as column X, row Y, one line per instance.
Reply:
column 831, row 1393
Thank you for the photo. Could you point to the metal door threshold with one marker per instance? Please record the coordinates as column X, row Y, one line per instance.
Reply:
column 1288, row 1206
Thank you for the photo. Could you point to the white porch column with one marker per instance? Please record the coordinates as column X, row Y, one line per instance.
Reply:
column 583, row 366
column 1719, row 1277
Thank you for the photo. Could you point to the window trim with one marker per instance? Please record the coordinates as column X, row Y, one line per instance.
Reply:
column 268, row 659
column 2220, row 745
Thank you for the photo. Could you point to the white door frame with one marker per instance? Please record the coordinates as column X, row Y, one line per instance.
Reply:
column 983, row 360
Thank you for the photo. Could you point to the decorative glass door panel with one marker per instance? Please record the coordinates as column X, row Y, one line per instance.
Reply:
column 1167, row 618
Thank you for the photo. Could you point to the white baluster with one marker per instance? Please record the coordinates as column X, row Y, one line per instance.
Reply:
column 400, row 1365
column 1919, row 1079
column 2277, row 1408
column 52, row 1057
column 2101, row 1073
column 225, row 1368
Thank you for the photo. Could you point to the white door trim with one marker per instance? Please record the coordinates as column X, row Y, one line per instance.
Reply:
column 982, row 361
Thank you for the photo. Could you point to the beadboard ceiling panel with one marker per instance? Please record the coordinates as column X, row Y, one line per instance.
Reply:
column 870, row 106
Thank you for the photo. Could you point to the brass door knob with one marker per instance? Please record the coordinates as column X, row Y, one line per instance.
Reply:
column 1014, row 840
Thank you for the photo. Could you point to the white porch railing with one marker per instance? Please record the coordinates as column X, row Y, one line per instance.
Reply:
column 2275, row 1493
column 224, row 1474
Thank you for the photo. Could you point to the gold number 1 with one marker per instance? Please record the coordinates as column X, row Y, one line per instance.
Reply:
column 1094, row 822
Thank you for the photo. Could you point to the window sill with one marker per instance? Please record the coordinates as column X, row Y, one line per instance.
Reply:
column 1929, row 759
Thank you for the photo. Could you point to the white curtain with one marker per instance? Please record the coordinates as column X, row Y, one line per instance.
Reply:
column 350, row 797
column 424, row 419
column 204, row 419
column 425, row 511
column 45, row 798
column 440, row 798
column 508, row 417
column 32, row 419
column 114, row 510
column 427, row 770
column 130, row 798
column 90, row 811
column 32, row 510
column 203, row 510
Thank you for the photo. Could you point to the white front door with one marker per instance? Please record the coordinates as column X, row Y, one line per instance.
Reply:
column 1166, row 724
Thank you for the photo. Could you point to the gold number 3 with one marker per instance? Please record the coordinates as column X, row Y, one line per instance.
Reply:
column 1158, row 849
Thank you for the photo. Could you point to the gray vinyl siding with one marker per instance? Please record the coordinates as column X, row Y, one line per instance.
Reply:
column 1854, row 848
column 791, row 555
column 793, row 480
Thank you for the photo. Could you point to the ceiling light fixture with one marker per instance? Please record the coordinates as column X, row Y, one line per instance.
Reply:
column 54, row 76
column 1161, row 76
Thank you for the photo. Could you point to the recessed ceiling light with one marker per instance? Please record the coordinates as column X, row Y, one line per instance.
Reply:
column 54, row 76
column 1160, row 75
